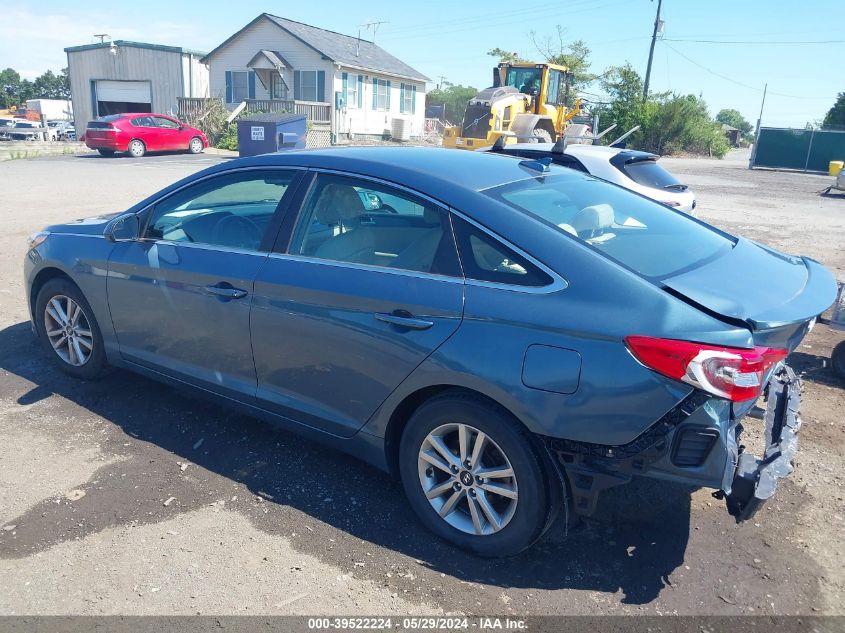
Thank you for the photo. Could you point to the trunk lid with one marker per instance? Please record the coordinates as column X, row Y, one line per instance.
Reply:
column 775, row 295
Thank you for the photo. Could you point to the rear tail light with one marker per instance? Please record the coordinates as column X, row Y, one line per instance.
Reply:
column 728, row 372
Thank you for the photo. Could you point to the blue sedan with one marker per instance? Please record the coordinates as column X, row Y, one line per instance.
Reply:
column 508, row 337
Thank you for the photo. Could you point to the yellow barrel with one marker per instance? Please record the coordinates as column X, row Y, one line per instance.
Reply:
column 835, row 167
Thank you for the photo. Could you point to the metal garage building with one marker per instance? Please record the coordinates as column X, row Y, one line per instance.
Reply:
column 121, row 76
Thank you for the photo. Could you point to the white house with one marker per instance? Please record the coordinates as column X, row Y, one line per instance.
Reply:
column 355, row 85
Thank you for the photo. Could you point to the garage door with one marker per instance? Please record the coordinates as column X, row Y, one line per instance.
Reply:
column 124, row 91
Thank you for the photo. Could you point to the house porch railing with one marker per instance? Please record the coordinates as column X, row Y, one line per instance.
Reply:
column 188, row 108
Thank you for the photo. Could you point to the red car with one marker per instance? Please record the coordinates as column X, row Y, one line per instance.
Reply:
column 142, row 132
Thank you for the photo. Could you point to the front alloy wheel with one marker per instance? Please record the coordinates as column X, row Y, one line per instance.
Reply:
column 467, row 479
column 68, row 330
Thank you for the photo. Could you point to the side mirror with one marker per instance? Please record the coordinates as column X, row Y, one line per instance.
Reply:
column 123, row 229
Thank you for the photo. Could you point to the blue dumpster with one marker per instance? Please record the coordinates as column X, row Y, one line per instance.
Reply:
column 268, row 133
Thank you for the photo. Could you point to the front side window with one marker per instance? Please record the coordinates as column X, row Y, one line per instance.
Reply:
column 240, row 86
column 233, row 210
column 643, row 235
column 360, row 222
column 163, row 122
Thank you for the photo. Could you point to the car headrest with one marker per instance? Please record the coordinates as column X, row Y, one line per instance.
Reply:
column 338, row 203
column 593, row 218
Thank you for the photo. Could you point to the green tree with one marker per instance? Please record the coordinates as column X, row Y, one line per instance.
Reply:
column 504, row 56
column 10, row 83
column 835, row 117
column 574, row 55
column 732, row 117
column 52, row 86
column 454, row 97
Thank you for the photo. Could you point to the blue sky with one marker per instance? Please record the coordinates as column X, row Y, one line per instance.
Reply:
column 756, row 41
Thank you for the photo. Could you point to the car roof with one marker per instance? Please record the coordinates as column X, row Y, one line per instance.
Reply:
column 421, row 168
column 579, row 150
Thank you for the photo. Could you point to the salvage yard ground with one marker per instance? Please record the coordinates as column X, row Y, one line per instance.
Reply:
column 126, row 496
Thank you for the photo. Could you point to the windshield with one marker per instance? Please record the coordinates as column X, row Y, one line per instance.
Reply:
column 650, row 239
column 526, row 80
column 649, row 174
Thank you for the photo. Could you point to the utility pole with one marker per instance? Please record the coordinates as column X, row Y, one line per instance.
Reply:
column 757, row 130
column 440, row 83
column 763, row 103
column 651, row 50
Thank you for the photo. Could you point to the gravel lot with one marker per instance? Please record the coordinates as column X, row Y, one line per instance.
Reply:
column 265, row 522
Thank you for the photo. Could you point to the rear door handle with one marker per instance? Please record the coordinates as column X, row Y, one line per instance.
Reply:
column 226, row 290
column 404, row 319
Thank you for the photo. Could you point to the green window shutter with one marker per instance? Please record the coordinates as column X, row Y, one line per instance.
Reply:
column 251, row 85
column 360, row 91
column 402, row 98
column 375, row 93
column 321, row 85
column 345, row 77
column 413, row 99
column 228, row 86
column 297, row 87
column 388, row 94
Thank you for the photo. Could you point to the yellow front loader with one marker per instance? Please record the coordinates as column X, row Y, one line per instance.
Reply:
column 526, row 103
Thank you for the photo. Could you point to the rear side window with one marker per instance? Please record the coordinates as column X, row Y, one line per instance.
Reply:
column 645, row 236
column 486, row 259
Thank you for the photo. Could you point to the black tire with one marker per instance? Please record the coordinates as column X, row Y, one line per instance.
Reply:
column 96, row 364
column 837, row 358
column 195, row 148
column 531, row 516
column 106, row 152
column 541, row 136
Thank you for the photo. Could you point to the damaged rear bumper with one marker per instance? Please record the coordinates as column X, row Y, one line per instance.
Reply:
column 696, row 443
column 756, row 479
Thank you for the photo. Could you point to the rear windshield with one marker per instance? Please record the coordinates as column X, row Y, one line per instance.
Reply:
column 647, row 237
column 649, row 174
column 104, row 122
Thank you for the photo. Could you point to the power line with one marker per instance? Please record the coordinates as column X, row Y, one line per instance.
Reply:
column 769, row 42
column 734, row 81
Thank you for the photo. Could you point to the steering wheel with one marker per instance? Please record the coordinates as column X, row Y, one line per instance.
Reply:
column 237, row 231
column 387, row 209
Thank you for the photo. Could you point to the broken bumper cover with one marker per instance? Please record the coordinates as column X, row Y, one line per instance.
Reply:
column 756, row 479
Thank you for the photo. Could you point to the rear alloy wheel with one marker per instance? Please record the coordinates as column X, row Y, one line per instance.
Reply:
column 473, row 476
column 136, row 148
column 68, row 330
column 106, row 152
column 195, row 146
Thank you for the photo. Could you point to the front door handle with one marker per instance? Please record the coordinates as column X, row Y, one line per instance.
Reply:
column 226, row 291
column 404, row 319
